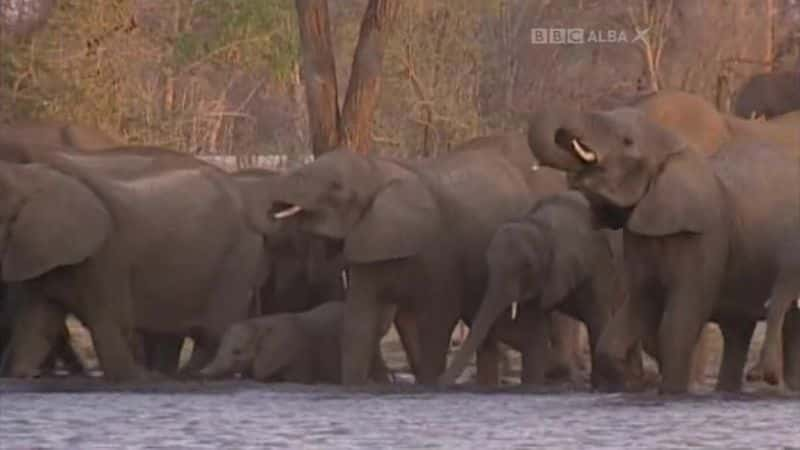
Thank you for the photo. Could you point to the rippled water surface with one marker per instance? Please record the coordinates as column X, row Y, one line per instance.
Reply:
column 246, row 415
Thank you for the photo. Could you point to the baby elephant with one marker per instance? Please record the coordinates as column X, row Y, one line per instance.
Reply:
column 551, row 259
column 296, row 348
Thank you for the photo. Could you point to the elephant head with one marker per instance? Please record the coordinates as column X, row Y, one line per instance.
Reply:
column 263, row 346
column 352, row 198
column 47, row 220
column 635, row 173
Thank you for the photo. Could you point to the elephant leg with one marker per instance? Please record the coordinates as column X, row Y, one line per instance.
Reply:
column 536, row 352
column 737, row 336
column 203, row 353
column 406, row 325
column 791, row 349
column 677, row 338
column 37, row 329
column 162, row 352
column 380, row 373
column 64, row 352
column 488, row 363
column 436, row 324
column 702, row 352
column 618, row 343
column 363, row 314
column 565, row 338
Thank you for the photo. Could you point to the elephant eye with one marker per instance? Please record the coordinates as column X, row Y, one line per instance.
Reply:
column 627, row 142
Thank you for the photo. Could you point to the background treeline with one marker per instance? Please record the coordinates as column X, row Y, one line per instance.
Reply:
column 222, row 76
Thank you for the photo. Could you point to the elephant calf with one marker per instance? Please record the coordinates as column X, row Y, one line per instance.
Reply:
column 297, row 348
column 552, row 258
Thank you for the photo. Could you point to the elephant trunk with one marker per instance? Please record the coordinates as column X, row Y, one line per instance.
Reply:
column 496, row 300
column 360, row 336
column 554, row 139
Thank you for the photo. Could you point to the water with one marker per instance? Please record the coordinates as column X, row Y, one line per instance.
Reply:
column 239, row 414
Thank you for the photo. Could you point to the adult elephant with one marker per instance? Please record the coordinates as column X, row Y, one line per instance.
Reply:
column 768, row 95
column 706, row 129
column 30, row 141
column 302, row 270
column 128, row 239
column 414, row 235
column 701, row 235
column 23, row 142
column 783, row 300
column 32, row 136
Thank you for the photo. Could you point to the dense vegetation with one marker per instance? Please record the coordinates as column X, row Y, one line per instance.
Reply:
column 223, row 76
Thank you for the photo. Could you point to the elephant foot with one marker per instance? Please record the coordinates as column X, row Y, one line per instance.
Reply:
column 755, row 374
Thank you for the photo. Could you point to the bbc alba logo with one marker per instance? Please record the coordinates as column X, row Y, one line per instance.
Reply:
column 577, row 36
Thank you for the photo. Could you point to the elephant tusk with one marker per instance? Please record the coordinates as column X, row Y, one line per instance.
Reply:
column 514, row 311
column 288, row 212
column 345, row 279
column 586, row 155
column 535, row 167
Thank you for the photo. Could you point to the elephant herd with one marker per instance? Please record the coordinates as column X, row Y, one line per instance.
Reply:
column 644, row 222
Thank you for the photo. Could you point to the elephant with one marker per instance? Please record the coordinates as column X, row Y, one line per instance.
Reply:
column 35, row 136
column 21, row 142
column 701, row 235
column 303, row 270
column 414, row 235
column 549, row 259
column 299, row 347
column 768, row 95
column 785, row 297
column 706, row 129
column 27, row 142
column 130, row 239
column 554, row 258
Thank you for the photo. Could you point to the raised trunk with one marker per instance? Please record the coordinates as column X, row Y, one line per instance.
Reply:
column 493, row 304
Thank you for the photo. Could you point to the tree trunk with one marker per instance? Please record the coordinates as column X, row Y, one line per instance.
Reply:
column 364, row 87
column 319, row 74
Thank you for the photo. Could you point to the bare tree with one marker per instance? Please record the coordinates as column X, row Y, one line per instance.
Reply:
column 319, row 74
column 354, row 128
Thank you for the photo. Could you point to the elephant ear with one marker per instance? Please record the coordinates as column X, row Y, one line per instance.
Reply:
column 60, row 225
column 678, row 200
column 398, row 224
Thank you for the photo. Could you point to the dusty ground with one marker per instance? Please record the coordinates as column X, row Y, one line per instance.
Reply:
column 396, row 359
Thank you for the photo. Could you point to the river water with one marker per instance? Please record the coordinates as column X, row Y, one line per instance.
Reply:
column 240, row 414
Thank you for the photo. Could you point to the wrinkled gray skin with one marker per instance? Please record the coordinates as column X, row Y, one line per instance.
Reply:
column 290, row 347
column 768, row 95
column 121, row 240
column 22, row 142
column 35, row 136
column 302, row 270
column 552, row 258
column 706, row 129
column 27, row 142
column 414, row 235
column 731, row 212
column 784, row 298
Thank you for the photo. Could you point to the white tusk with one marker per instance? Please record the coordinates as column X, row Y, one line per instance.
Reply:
column 288, row 212
column 535, row 167
column 514, row 311
column 586, row 155
column 798, row 303
column 345, row 279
